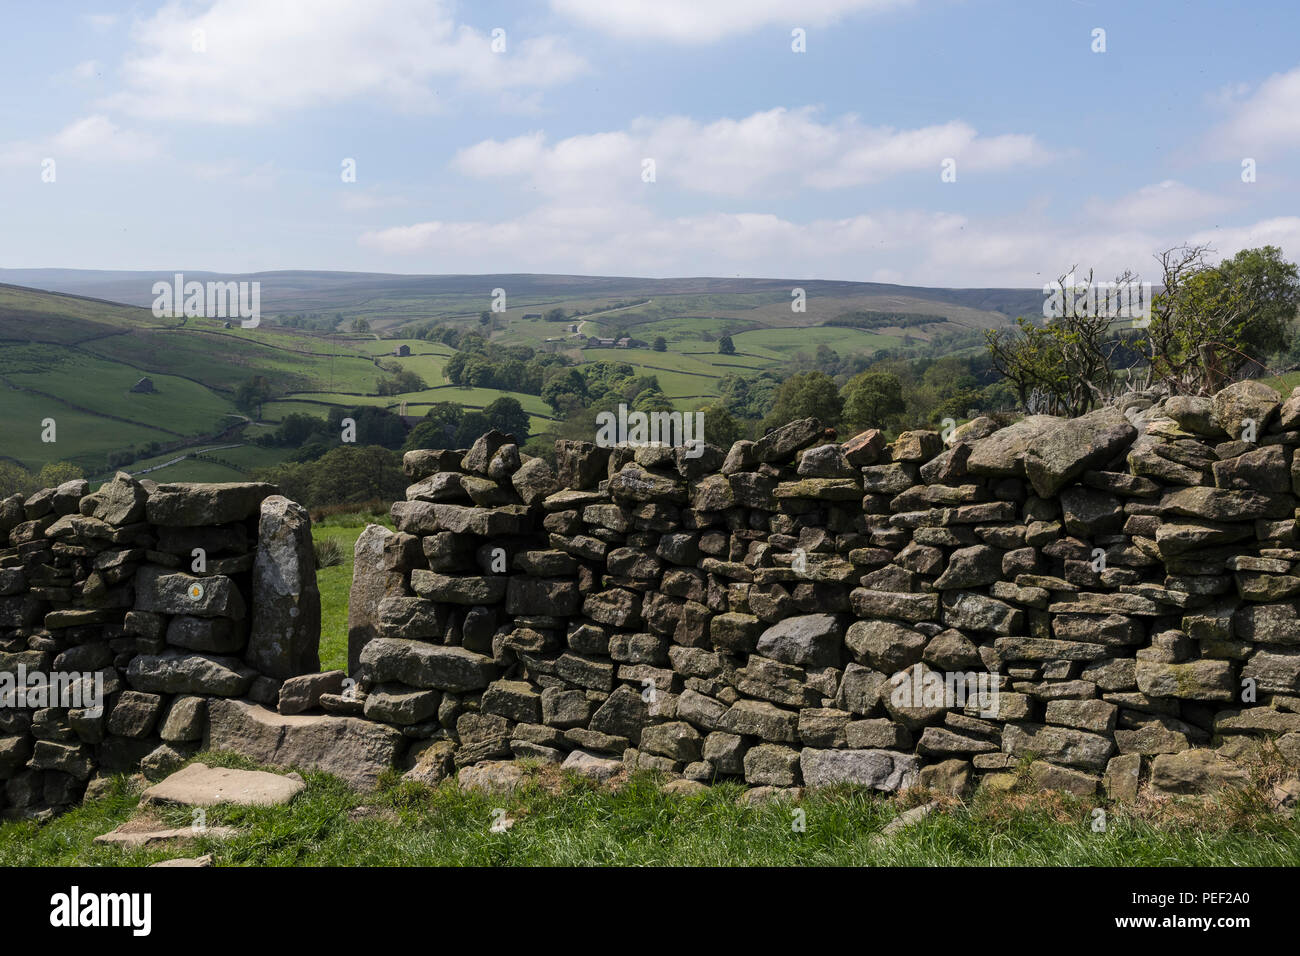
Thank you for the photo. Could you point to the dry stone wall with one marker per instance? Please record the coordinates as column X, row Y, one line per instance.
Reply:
column 1109, row 601
column 127, row 614
column 1125, row 582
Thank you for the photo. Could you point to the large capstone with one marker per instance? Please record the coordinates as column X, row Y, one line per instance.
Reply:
column 193, row 504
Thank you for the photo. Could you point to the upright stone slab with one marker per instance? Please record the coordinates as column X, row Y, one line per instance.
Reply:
column 284, row 640
column 371, row 583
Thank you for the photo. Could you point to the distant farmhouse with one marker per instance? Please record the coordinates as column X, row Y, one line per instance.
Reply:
column 597, row 343
column 144, row 386
column 402, row 351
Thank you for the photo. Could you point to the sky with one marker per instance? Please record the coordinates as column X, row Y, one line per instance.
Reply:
column 930, row 142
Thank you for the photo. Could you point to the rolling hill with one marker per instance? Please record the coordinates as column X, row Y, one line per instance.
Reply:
column 73, row 343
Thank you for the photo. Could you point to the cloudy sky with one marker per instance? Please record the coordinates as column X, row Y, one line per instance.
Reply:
column 648, row 137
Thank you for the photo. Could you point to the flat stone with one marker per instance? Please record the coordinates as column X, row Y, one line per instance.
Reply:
column 878, row 769
column 348, row 747
column 1060, row 745
column 132, row 837
column 1002, row 453
column 198, row 785
column 189, row 861
column 304, row 692
column 1195, row 772
column 780, row 444
column 196, row 504
column 587, row 764
column 491, row 776
column 173, row 672
column 419, row 664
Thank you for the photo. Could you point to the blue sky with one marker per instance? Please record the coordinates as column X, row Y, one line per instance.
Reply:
column 767, row 162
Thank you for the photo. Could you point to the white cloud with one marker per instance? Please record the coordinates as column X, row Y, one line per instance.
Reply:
column 91, row 138
column 904, row 246
column 705, row 21
column 1280, row 231
column 261, row 59
column 100, row 21
column 1266, row 120
column 774, row 150
column 86, row 69
column 1158, row 204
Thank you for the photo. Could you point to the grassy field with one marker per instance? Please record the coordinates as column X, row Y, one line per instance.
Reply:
column 335, row 582
column 559, row 820
column 75, row 360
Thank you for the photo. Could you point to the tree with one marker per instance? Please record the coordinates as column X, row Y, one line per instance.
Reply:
column 375, row 426
column 564, row 389
column 507, row 415
column 1207, row 326
column 1065, row 365
column 748, row 397
column 360, row 325
column 1211, row 324
column 719, row 427
column 56, row 473
column 297, row 428
column 808, row 395
column 15, row 480
column 251, row 395
column 473, row 426
column 345, row 475
column 439, row 428
column 872, row 398
column 726, row 346
column 485, row 318
column 661, row 344
column 402, row 382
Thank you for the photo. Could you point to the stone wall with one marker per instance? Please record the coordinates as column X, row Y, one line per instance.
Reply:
column 166, row 599
column 1125, row 580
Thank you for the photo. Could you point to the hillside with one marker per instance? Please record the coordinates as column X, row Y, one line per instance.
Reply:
column 74, row 354
column 76, row 359
column 390, row 300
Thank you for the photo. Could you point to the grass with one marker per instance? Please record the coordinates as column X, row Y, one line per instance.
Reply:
column 210, row 462
column 338, row 531
column 783, row 343
column 559, row 820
